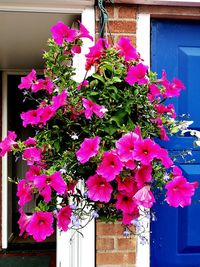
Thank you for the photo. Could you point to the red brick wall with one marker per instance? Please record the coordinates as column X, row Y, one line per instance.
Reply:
column 122, row 21
column 112, row 248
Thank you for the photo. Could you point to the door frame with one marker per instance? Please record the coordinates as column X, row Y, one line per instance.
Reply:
column 75, row 253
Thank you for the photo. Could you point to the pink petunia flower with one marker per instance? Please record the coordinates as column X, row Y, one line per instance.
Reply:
column 143, row 175
column 95, row 53
column 88, row 148
column 126, row 49
column 32, row 172
column 64, row 218
column 83, row 32
column 179, row 192
column 137, row 74
column 91, row 107
column 154, row 92
column 7, row 143
column 99, row 189
column 125, row 202
column 171, row 89
column 43, row 84
column 24, row 192
column 30, row 142
column 127, row 218
column 82, row 84
column 61, row 33
column 163, row 155
column 28, row 81
column 110, row 166
column 30, row 117
column 46, row 183
column 32, row 155
column 59, row 100
column 23, row 221
column 145, row 197
column 40, row 225
column 126, row 184
column 45, row 114
column 125, row 146
column 145, row 151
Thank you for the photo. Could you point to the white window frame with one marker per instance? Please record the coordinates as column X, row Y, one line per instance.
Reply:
column 143, row 43
column 80, row 252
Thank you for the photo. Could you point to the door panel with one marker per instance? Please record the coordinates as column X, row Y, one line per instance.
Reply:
column 175, row 238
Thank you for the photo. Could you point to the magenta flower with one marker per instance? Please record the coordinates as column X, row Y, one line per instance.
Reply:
column 32, row 172
column 28, row 81
column 42, row 84
column 126, row 184
column 144, row 197
column 30, row 142
column 23, row 221
column 179, row 192
column 91, row 107
column 30, row 117
column 64, row 218
column 59, row 100
column 171, row 89
column 154, row 92
column 130, row 164
column 143, row 175
column 46, row 183
column 45, row 114
column 125, row 202
column 110, row 166
column 84, row 33
column 98, row 188
column 145, row 151
column 7, row 143
column 24, row 192
column 88, row 148
column 127, row 218
column 32, row 155
column 40, row 225
column 126, row 49
column 125, row 146
column 95, row 53
column 61, row 33
column 137, row 74
column 82, row 84
column 162, row 154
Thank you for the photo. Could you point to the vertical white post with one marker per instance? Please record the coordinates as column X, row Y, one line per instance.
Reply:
column 4, row 164
column 73, row 250
column 143, row 47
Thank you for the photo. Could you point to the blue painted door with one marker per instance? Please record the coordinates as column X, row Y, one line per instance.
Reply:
column 175, row 238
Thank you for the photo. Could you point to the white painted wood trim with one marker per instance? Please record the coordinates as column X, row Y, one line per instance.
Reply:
column 73, row 250
column 49, row 6
column 4, row 164
column 143, row 47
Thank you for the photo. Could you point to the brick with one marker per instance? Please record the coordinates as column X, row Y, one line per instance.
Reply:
column 109, row 229
column 122, row 26
column 115, row 258
column 127, row 11
column 126, row 243
column 105, row 244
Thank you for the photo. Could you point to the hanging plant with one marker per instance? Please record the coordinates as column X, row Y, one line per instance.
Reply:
column 94, row 152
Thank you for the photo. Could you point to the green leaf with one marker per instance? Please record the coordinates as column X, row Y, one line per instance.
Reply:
column 110, row 129
column 118, row 117
column 100, row 78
